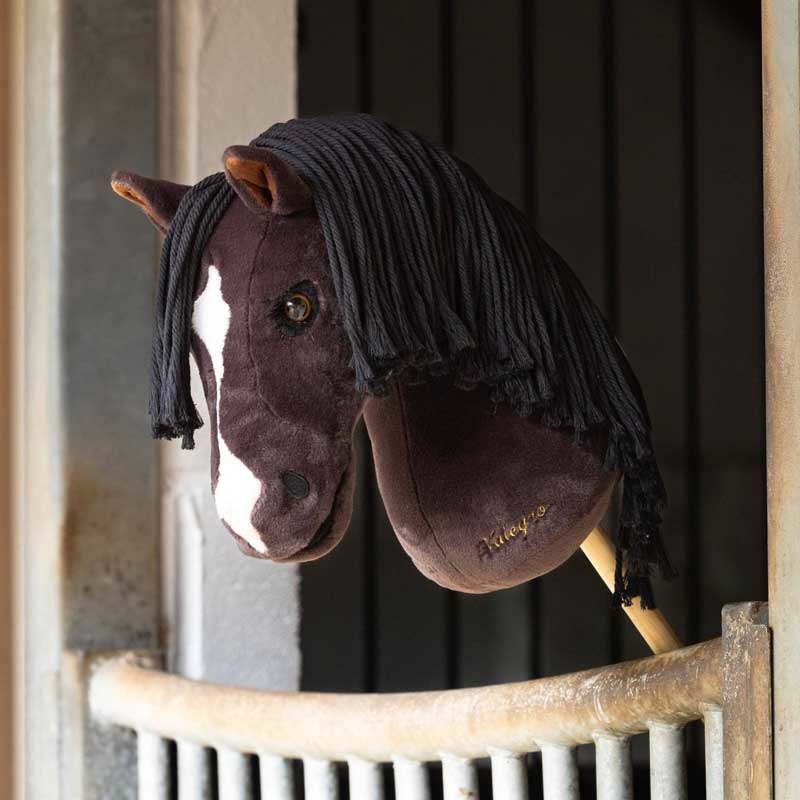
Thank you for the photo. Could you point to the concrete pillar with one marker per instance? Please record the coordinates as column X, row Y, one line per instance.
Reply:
column 100, row 80
column 89, row 494
column 228, row 72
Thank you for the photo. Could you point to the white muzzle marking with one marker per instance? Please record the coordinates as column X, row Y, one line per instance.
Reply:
column 237, row 489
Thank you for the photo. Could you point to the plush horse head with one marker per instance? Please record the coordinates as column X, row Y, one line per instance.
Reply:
column 337, row 261
column 273, row 357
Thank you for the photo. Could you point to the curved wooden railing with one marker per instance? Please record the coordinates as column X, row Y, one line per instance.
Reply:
column 553, row 715
column 568, row 710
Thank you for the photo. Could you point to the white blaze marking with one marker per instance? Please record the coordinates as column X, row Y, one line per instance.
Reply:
column 237, row 489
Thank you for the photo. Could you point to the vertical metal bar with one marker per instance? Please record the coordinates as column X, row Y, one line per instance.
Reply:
column 526, row 11
column 194, row 773
column 233, row 775
column 780, row 31
column 559, row 773
column 712, row 720
column 411, row 780
column 510, row 776
column 153, row 767
column 613, row 769
column 276, row 777
column 667, row 762
column 370, row 557
column 610, row 303
column 366, row 780
column 459, row 778
column 447, row 73
column 693, row 567
column 321, row 780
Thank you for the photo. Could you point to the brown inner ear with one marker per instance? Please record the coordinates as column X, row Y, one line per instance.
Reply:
column 254, row 177
column 125, row 191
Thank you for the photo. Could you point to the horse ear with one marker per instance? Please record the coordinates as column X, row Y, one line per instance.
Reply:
column 265, row 182
column 158, row 199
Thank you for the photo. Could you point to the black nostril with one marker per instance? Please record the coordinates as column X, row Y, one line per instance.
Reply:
column 295, row 484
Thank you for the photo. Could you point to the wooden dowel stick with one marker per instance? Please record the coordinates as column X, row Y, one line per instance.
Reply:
column 651, row 623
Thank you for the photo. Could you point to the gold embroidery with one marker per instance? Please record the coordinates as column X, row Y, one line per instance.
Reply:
column 500, row 537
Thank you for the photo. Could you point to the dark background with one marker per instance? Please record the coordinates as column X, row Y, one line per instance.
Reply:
column 630, row 132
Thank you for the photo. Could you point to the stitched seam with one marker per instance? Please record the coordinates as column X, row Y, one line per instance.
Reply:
column 409, row 461
column 259, row 388
column 262, row 395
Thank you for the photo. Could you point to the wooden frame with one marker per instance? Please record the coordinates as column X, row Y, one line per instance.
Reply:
column 781, row 86
column 9, row 199
column 724, row 682
column 747, row 697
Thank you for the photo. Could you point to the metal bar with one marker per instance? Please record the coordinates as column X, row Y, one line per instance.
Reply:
column 674, row 687
column 321, row 780
column 714, row 761
column 276, row 777
column 510, row 776
column 194, row 773
column 153, row 767
column 234, row 779
column 411, row 780
column 459, row 778
column 780, row 31
column 667, row 762
column 366, row 780
column 613, row 768
column 559, row 773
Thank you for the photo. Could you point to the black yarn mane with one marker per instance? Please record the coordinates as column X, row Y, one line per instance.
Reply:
column 436, row 274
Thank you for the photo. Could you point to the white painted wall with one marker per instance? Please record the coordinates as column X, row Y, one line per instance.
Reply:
column 228, row 72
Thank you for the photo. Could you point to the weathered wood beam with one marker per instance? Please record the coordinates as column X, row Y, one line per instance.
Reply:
column 781, row 86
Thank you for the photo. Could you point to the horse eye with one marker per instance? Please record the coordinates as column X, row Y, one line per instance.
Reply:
column 297, row 308
column 295, row 311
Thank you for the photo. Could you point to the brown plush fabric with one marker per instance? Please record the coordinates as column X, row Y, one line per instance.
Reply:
column 480, row 498
column 289, row 403
column 264, row 182
column 158, row 199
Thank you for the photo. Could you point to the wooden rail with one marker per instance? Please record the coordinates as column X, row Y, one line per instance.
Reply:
column 468, row 723
column 724, row 682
